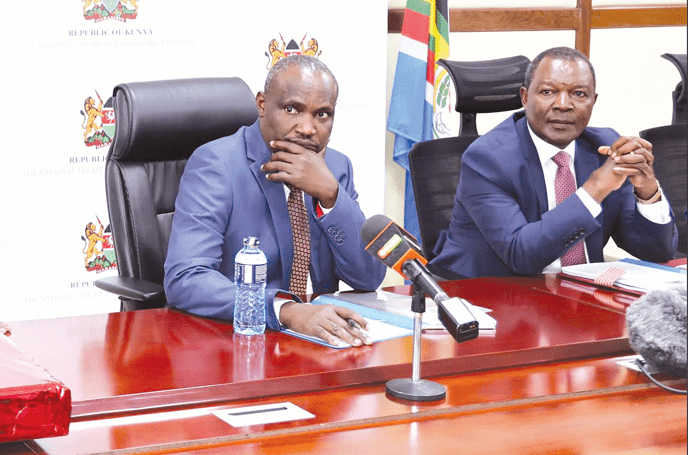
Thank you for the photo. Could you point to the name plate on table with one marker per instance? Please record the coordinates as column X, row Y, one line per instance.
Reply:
column 263, row 414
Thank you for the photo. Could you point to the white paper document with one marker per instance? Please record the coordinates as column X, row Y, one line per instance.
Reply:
column 262, row 414
column 401, row 305
column 485, row 321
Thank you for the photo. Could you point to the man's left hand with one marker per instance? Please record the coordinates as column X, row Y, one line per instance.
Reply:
column 633, row 157
column 304, row 169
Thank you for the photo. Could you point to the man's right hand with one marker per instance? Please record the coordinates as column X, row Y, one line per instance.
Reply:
column 327, row 322
column 303, row 168
column 604, row 180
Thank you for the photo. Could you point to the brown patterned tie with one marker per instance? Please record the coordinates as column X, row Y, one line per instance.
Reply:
column 565, row 186
column 302, row 241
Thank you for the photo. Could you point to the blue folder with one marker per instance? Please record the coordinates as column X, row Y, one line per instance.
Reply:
column 368, row 313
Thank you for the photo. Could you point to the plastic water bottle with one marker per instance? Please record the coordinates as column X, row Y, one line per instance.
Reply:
column 250, row 274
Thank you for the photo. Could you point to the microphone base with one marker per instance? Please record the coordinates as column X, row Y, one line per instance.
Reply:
column 423, row 390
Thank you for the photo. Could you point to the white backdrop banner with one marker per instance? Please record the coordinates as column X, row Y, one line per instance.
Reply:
column 61, row 61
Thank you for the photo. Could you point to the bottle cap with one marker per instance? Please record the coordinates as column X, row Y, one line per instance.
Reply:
column 251, row 241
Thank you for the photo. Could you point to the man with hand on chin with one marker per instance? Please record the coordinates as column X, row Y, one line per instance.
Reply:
column 241, row 186
column 543, row 190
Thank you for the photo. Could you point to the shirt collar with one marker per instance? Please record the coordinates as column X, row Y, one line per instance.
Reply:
column 546, row 150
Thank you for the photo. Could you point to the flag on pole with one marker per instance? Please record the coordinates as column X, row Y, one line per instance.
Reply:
column 424, row 40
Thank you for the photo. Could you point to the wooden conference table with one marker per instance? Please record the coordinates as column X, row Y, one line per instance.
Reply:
column 546, row 381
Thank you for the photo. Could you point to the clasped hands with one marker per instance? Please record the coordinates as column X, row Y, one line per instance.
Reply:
column 633, row 158
column 630, row 158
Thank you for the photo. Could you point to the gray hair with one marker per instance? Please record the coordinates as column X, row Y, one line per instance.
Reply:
column 303, row 62
column 563, row 53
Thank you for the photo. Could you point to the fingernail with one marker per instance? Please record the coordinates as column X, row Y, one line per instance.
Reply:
column 272, row 143
column 357, row 342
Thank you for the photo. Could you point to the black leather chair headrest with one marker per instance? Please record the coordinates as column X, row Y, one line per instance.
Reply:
column 681, row 63
column 680, row 94
column 488, row 85
column 169, row 119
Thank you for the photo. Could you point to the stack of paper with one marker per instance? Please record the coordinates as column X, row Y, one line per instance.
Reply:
column 632, row 275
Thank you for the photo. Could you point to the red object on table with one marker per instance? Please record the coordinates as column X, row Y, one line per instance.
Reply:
column 677, row 262
column 33, row 404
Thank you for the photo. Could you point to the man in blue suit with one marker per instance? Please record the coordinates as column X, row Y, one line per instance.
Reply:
column 506, row 220
column 236, row 187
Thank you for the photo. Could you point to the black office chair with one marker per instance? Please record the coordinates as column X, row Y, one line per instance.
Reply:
column 158, row 126
column 670, row 146
column 680, row 94
column 481, row 87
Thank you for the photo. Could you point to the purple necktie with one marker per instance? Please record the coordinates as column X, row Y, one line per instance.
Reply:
column 302, row 241
column 565, row 186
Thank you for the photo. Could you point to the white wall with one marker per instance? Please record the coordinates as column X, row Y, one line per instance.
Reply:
column 52, row 178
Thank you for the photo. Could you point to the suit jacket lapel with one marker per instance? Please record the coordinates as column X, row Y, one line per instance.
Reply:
column 533, row 165
column 258, row 153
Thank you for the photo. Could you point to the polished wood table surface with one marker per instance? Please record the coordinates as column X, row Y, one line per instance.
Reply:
column 146, row 381
column 578, row 407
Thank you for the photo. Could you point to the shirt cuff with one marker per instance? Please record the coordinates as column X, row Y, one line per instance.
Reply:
column 658, row 213
column 593, row 207
column 277, row 305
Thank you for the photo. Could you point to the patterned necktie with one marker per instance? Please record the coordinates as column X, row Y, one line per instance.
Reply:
column 565, row 186
column 302, row 241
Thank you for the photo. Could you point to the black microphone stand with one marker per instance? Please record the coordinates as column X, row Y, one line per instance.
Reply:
column 415, row 388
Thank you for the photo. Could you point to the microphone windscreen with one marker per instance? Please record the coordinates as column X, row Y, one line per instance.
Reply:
column 373, row 226
column 657, row 330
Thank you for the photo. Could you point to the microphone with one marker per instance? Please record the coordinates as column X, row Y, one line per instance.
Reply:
column 390, row 243
column 657, row 328
column 399, row 250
